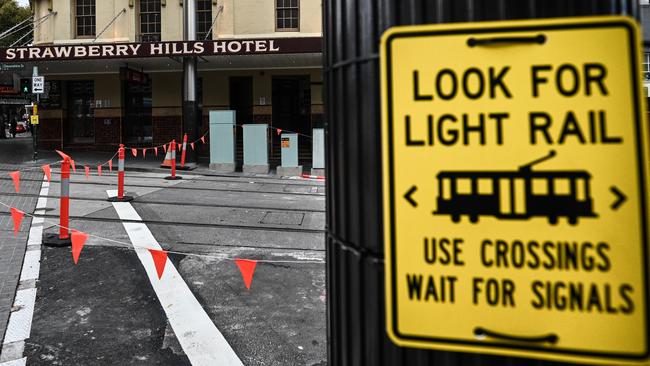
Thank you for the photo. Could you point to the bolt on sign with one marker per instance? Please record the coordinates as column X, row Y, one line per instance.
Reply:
column 515, row 160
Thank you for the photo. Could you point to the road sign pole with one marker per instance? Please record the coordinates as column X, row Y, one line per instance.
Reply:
column 35, row 113
column 356, row 311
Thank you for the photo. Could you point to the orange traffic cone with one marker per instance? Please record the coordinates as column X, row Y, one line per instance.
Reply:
column 169, row 157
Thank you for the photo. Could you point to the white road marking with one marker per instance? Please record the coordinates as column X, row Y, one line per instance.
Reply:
column 20, row 362
column 20, row 321
column 202, row 342
column 31, row 265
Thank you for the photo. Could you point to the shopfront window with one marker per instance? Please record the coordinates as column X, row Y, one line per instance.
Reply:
column 203, row 19
column 149, row 20
column 287, row 15
column 85, row 18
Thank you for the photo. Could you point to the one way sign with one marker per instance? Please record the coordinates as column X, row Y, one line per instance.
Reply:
column 38, row 84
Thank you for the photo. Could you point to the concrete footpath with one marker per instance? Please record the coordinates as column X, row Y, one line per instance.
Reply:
column 112, row 309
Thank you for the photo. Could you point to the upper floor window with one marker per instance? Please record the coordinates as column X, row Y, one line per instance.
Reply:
column 85, row 18
column 287, row 15
column 203, row 19
column 149, row 20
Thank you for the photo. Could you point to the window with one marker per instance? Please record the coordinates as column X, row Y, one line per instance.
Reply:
column 464, row 186
column 286, row 15
column 540, row 186
column 203, row 19
column 85, row 18
column 485, row 186
column 562, row 186
column 149, row 20
column 646, row 62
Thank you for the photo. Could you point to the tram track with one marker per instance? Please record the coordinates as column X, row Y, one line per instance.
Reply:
column 172, row 203
column 249, row 247
column 190, row 224
column 196, row 177
column 179, row 187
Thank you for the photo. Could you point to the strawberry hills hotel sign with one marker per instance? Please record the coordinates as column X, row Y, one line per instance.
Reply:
column 162, row 49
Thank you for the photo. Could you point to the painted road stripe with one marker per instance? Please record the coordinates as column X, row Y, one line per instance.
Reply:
column 20, row 321
column 202, row 342
column 20, row 362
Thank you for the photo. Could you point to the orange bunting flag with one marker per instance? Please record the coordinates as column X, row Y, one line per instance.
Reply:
column 159, row 260
column 192, row 145
column 78, row 241
column 99, row 170
column 247, row 269
column 165, row 148
column 178, row 147
column 155, row 151
column 48, row 172
column 144, row 153
column 62, row 154
column 110, row 165
column 15, row 176
column 74, row 166
column 87, row 168
column 134, row 152
column 278, row 131
column 17, row 215
column 203, row 139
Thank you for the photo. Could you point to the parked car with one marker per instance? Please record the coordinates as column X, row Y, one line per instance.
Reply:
column 21, row 127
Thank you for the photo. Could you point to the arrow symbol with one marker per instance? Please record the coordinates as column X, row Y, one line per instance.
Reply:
column 620, row 198
column 408, row 197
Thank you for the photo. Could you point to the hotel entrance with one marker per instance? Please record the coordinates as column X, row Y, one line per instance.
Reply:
column 292, row 103
column 81, row 112
column 137, row 127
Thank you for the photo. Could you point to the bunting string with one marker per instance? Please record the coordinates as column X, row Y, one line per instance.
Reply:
column 134, row 247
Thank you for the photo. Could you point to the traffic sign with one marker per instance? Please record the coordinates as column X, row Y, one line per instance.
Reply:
column 515, row 175
column 38, row 84
column 34, row 119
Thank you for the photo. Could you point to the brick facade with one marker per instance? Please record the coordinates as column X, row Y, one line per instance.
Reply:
column 166, row 128
column 49, row 133
column 107, row 130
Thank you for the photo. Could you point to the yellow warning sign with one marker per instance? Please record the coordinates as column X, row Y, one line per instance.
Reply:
column 515, row 160
column 34, row 119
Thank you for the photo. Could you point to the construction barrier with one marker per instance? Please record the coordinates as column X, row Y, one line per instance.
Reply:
column 167, row 162
column 120, row 179
column 183, row 153
column 172, row 150
column 63, row 238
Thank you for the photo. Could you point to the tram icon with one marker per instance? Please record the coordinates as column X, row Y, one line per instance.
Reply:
column 516, row 195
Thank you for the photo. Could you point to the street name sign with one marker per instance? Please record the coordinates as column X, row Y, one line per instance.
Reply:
column 38, row 84
column 515, row 188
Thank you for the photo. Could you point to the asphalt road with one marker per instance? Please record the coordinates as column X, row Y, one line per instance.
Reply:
column 18, row 150
column 104, row 310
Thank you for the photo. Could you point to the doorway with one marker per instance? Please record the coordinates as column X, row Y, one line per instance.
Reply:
column 241, row 98
column 81, row 113
column 292, row 103
column 137, row 127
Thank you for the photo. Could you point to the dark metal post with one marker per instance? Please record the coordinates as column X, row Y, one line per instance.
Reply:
column 35, row 126
column 355, row 253
column 190, row 107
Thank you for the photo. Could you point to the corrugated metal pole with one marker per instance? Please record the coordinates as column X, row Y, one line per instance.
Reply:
column 355, row 254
